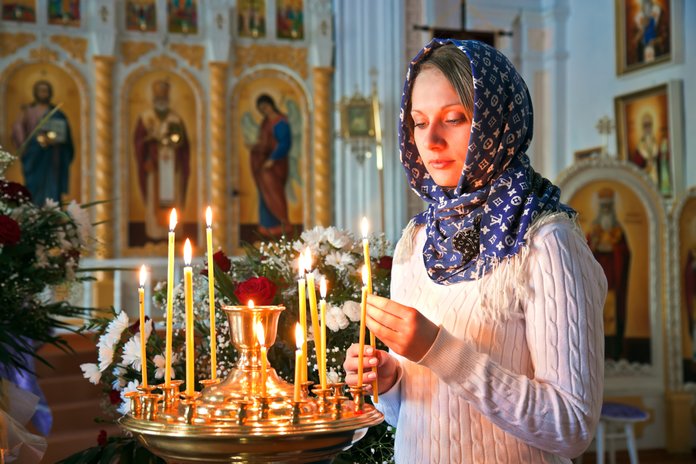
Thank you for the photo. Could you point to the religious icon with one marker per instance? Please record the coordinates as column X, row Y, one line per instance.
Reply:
column 251, row 18
column 270, row 165
column 687, row 267
column 64, row 12
column 19, row 10
column 644, row 135
column 182, row 16
column 162, row 165
column 643, row 33
column 141, row 15
column 290, row 19
column 25, row 91
column 615, row 224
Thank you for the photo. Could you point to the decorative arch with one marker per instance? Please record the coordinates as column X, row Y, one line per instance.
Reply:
column 16, row 81
column 245, row 90
column 134, row 97
column 635, row 185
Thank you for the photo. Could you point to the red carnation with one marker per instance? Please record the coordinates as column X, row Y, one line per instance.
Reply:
column 385, row 262
column 10, row 232
column 13, row 191
column 259, row 289
column 102, row 438
column 115, row 397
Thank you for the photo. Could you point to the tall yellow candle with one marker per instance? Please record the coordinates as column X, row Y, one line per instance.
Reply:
column 188, row 304
column 303, row 312
column 322, row 307
column 211, row 291
column 361, row 346
column 312, row 293
column 299, row 341
column 264, row 357
column 366, row 253
column 170, row 300
column 143, row 339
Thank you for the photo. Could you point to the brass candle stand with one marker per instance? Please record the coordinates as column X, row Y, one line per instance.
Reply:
column 230, row 421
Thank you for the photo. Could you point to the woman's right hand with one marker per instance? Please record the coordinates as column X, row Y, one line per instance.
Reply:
column 387, row 368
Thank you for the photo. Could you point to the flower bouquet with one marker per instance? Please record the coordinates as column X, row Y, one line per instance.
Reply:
column 266, row 274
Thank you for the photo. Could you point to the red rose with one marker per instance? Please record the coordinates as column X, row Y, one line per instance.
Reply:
column 115, row 397
column 134, row 328
column 13, row 191
column 102, row 438
column 259, row 289
column 221, row 261
column 385, row 262
column 9, row 231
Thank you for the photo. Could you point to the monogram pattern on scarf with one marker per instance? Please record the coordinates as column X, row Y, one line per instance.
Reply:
column 499, row 195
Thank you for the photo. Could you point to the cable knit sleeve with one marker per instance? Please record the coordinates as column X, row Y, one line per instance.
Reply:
column 557, row 409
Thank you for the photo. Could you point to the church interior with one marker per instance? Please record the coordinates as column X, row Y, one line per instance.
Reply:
column 281, row 118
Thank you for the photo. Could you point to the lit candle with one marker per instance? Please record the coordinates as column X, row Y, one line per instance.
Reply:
column 188, row 303
column 366, row 252
column 170, row 300
column 312, row 293
column 264, row 359
column 363, row 316
column 211, row 291
column 322, row 306
column 299, row 341
column 303, row 310
column 143, row 339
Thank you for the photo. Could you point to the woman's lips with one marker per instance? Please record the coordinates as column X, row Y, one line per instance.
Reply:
column 441, row 163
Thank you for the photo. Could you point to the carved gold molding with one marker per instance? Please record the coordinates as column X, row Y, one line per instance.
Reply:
column 292, row 57
column 132, row 51
column 10, row 43
column 103, row 163
column 193, row 54
column 163, row 61
column 218, row 132
column 75, row 46
column 322, row 145
column 43, row 54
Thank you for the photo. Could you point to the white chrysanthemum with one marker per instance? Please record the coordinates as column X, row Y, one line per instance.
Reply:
column 117, row 325
column 81, row 218
column 160, row 364
column 131, row 350
column 335, row 319
column 340, row 260
column 125, row 403
column 91, row 372
column 352, row 310
column 50, row 204
column 106, row 355
column 338, row 239
column 313, row 237
column 332, row 376
column 41, row 257
column 119, row 379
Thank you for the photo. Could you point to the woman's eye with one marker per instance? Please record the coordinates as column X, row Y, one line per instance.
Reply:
column 455, row 120
column 418, row 124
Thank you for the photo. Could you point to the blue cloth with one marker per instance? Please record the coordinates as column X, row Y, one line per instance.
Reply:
column 281, row 132
column 484, row 219
column 26, row 380
column 47, row 169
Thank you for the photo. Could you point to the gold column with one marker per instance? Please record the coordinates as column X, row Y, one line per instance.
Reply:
column 322, row 146
column 679, row 423
column 104, row 173
column 218, row 188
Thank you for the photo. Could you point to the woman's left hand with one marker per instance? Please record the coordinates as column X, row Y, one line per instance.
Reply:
column 403, row 329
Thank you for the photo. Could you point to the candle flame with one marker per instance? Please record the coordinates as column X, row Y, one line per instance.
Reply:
column 308, row 260
column 364, row 226
column 299, row 336
column 209, row 216
column 187, row 252
column 258, row 329
column 143, row 275
column 250, row 304
column 363, row 271
column 172, row 220
column 300, row 265
column 322, row 288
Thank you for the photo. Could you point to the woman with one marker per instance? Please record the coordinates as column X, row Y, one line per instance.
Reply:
column 495, row 319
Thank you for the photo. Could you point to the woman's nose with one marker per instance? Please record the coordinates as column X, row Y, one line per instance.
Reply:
column 433, row 137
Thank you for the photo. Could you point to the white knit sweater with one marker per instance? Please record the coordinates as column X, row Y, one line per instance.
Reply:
column 527, row 389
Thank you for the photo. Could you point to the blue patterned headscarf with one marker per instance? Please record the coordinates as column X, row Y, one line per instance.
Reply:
column 484, row 219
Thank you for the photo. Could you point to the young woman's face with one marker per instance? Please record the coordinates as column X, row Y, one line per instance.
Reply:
column 442, row 126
